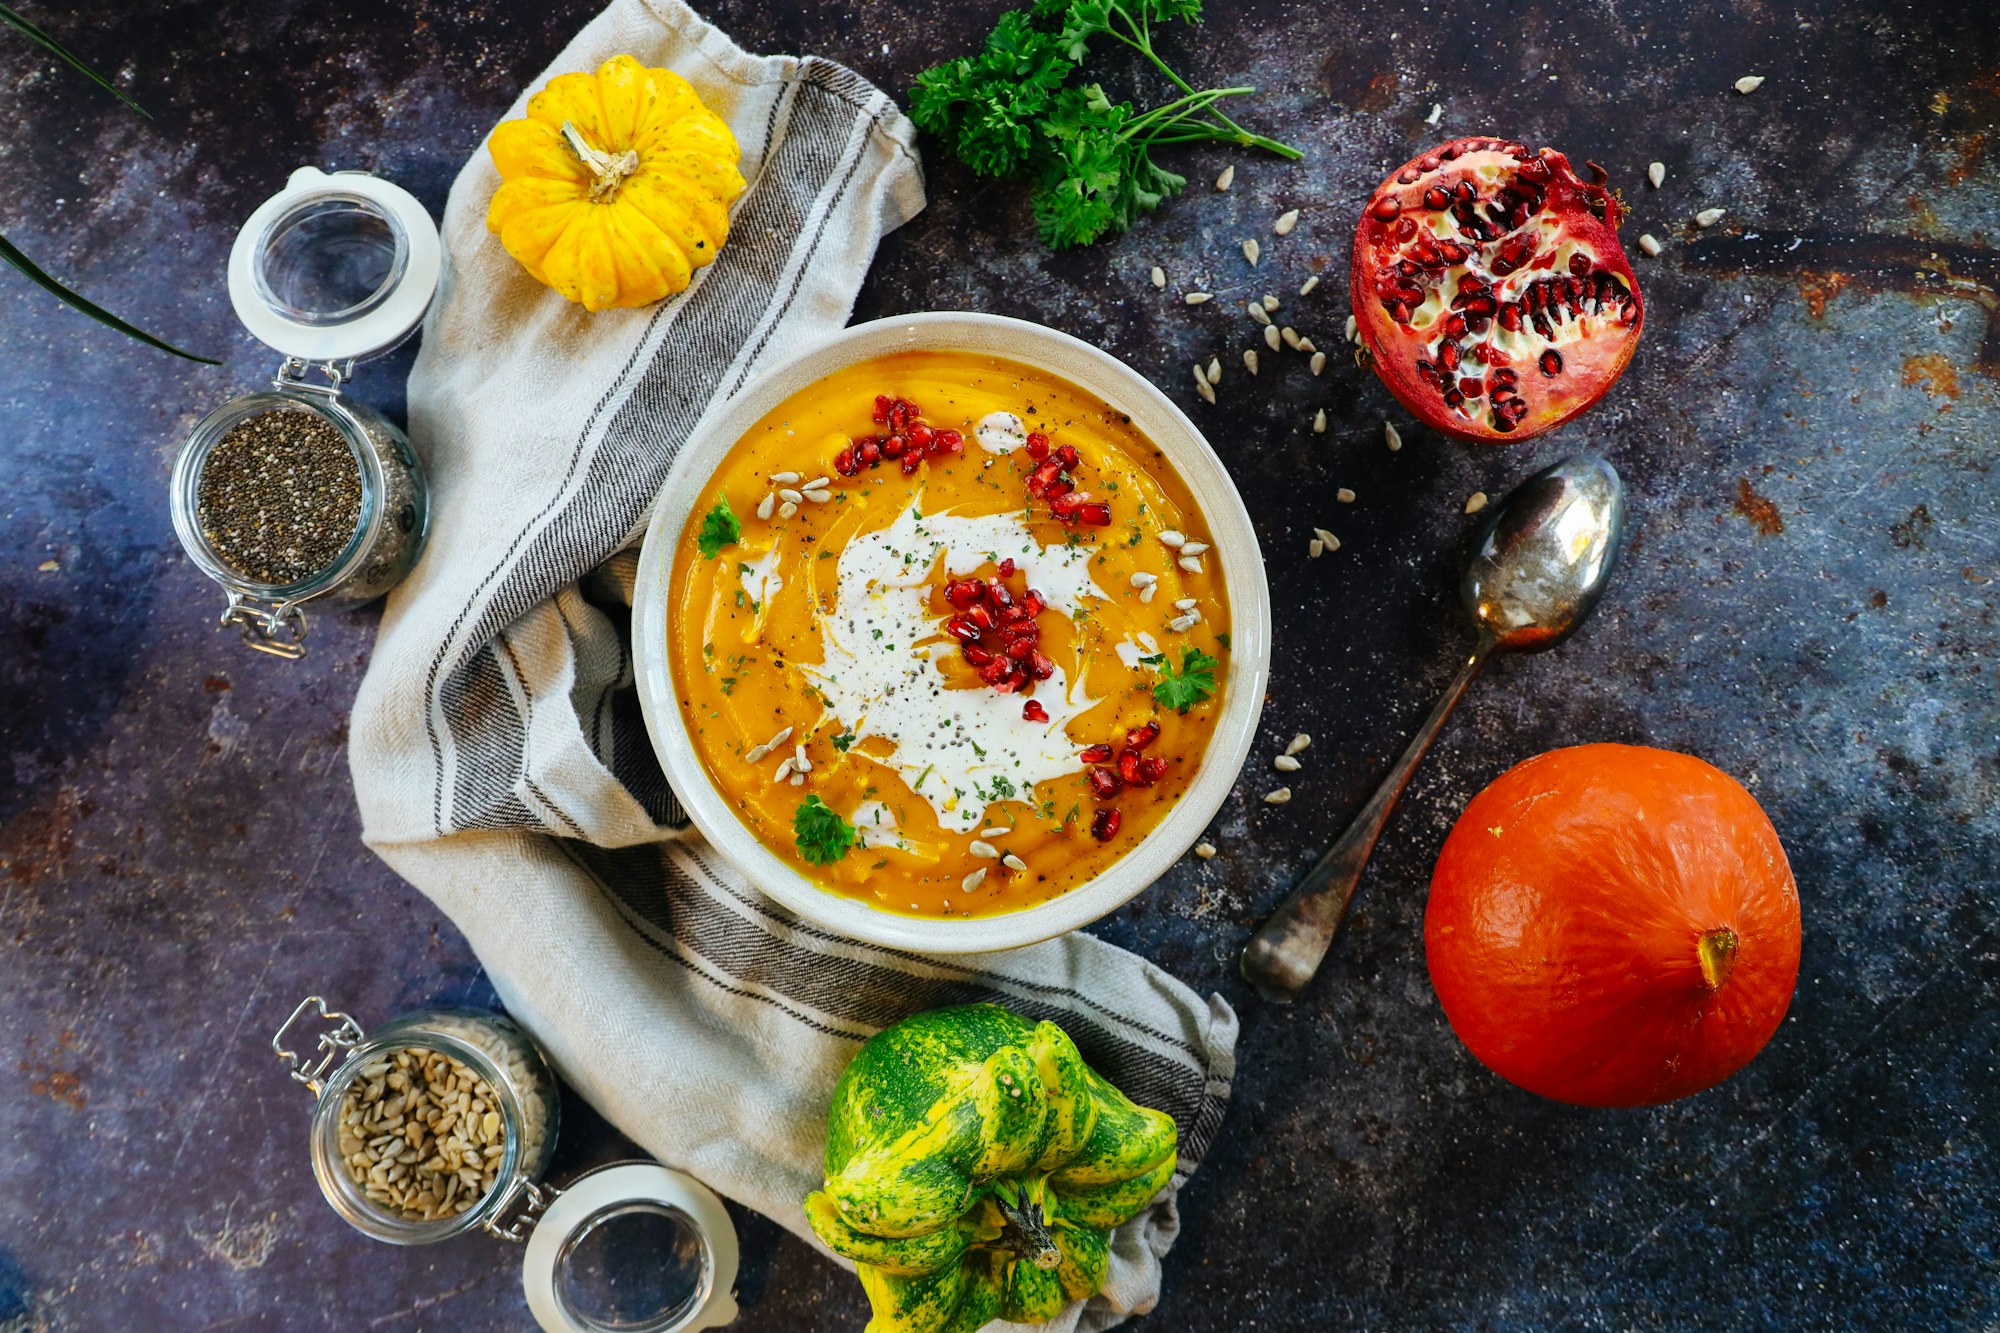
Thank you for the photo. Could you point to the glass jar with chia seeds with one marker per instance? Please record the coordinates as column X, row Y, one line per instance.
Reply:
column 300, row 493
column 444, row 1120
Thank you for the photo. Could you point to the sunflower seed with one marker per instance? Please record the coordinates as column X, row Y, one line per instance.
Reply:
column 1299, row 743
column 1306, row 287
column 1319, row 422
column 1252, row 251
column 1207, row 393
column 1172, row 537
column 799, row 760
column 1475, row 502
column 1436, row 115
column 1159, row 276
column 1014, row 863
column 1187, row 603
column 997, row 831
column 1656, row 172
column 1181, row 624
column 784, row 478
column 789, row 496
column 1146, row 593
column 1271, row 337
column 1284, row 763
column 1142, row 578
column 1318, row 362
column 1200, row 375
column 1215, row 370
column 1307, row 345
column 819, row 497
column 1193, row 548
column 1344, row 495
column 1391, row 437
column 1286, row 221
column 1278, row 797
column 973, row 881
column 819, row 483
column 1291, row 336
column 1256, row 309
column 784, row 771
column 1314, row 549
column 1353, row 329
column 1650, row 245
column 984, row 849
column 1332, row 542
column 1708, row 217
column 1750, row 83
column 1250, row 359
column 767, row 506
column 1227, row 177
column 798, row 779
column 1190, row 564
column 1205, row 850
column 787, row 509
column 1270, row 301
column 1196, row 298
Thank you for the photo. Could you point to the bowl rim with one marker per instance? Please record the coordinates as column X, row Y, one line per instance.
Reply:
column 1188, row 452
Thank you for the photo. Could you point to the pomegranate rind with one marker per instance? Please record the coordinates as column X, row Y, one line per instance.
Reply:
column 1593, row 333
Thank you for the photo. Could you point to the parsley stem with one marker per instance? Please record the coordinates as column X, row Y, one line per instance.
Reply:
column 1140, row 39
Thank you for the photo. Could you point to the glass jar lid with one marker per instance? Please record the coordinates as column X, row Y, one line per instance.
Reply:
column 335, row 267
column 632, row 1248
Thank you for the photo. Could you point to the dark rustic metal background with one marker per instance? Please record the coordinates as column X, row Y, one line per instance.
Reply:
column 1809, row 430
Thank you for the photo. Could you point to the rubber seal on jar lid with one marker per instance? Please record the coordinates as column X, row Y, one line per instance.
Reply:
column 632, row 1247
column 335, row 267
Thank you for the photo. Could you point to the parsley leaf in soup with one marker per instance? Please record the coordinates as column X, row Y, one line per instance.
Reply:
column 821, row 835
column 1182, row 689
column 719, row 528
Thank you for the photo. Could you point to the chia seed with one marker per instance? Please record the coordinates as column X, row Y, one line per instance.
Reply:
column 279, row 496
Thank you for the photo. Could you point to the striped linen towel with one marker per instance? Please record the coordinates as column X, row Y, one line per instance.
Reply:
column 499, row 756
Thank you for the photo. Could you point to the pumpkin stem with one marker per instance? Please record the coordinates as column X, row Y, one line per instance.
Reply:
column 609, row 170
column 1027, row 1234
column 1717, row 952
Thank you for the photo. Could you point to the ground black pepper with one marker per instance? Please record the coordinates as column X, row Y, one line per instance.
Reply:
column 279, row 496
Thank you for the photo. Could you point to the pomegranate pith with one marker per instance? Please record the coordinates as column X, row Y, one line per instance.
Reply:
column 1490, row 289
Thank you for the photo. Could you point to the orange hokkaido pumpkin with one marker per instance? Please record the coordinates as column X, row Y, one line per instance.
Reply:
column 1613, row 925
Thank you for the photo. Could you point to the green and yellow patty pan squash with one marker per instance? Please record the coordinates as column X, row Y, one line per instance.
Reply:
column 975, row 1167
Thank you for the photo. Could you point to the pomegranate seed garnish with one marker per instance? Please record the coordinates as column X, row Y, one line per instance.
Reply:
column 1104, row 784
column 996, row 671
column 893, row 446
column 1128, row 768
column 1011, row 615
column 980, row 616
column 1017, row 680
column 949, row 441
column 1138, row 738
column 881, row 408
column 976, row 655
column 844, row 464
column 1040, row 665
column 962, row 593
column 1019, row 649
column 1006, row 568
column 1095, row 754
column 1094, row 515
column 869, row 454
column 1038, row 445
column 1033, row 603
column 1066, row 455
column 1065, row 505
column 1104, row 826
column 919, row 436
column 962, row 629
column 1032, row 711
column 998, row 596
column 1152, row 768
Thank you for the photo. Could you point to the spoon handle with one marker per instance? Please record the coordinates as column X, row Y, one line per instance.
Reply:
column 1283, row 955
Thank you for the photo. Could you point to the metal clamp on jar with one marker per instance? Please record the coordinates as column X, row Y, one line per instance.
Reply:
column 298, row 493
column 458, row 1095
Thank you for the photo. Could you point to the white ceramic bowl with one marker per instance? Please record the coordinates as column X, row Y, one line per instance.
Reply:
column 1236, row 554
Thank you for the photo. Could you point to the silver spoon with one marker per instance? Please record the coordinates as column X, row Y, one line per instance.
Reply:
column 1540, row 564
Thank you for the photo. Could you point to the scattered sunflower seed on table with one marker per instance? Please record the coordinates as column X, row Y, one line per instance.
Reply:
column 1284, row 763
column 1298, row 743
column 1252, row 251
column 1197, row 298
column 1475, row 502
column 1278, row 797
column 1306, row 287
column 1250, row 359
column 1286, row 221
column 1650, row 244
column 1344, row 495
column 1391, row 436
column 1318, row 362
column 1708, row 217
column 1271, row 336
column 1256, row 309
column 1159, row 276
column 1205, row 850
column 1749, row 83
column 1656, row 172
column 1227, row 178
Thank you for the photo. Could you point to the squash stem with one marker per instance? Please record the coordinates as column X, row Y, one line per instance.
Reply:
column 608, row 169
column 1027, row 1234
column 1717, row 953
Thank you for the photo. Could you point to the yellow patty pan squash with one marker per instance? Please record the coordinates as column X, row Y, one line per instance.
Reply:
column 617, row 185
column 975, row 1167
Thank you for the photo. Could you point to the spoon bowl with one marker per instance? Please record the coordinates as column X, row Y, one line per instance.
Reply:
column 1539, row 566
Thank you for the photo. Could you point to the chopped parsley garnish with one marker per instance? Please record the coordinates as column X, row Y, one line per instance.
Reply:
column 842, row 741
column 1223, row 639
column 822, row 836
column 719, row 528
column 1183, row 689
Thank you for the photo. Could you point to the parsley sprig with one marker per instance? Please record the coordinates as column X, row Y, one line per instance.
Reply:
column 1007, row 112
column 719, row 528
column 820, row 833
column 1194, row 681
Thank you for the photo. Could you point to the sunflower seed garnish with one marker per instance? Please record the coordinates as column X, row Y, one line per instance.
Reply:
column 1014, row 863
column 1298, row 743
column 819, row 497
column 1187, row 603
column 1142, row 578
column 784, row 771
column 1278, row 797
column 1284, row 763
column 1190, row 564
column 1286, row 221
column 767, row 506
column 1172, row 537
column 1227, row 178
column 1193, row 548
column 1146, row 593
column 799, row 760
column 784, row 478
column 1181, row 624
column 787, row 509
column 982, row 848
column 973, row 881
column 789, row 496
column 997, row 831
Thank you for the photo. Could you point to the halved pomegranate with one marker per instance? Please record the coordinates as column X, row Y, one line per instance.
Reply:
column 1490, row 289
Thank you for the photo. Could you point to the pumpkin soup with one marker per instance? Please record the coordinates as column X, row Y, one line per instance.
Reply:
column 948, row 634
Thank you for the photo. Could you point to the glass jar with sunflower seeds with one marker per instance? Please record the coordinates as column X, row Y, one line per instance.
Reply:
column 301, row 494
column 443, row 1121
